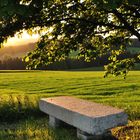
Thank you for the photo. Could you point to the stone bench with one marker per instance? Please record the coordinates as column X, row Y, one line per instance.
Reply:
column 92, row 120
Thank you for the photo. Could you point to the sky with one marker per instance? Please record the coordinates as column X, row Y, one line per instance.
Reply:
column 24, row 39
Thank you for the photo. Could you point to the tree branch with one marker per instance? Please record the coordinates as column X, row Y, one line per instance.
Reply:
column 126, row 24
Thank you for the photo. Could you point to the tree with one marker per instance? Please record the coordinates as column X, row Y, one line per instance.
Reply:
column 92, row 27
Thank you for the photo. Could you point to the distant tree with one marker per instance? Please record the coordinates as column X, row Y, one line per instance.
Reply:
column 9, row 63
column 93, row 27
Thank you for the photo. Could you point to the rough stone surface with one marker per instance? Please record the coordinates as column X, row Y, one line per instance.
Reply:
column 85, row 136
column 89, row 117
column 54, row 122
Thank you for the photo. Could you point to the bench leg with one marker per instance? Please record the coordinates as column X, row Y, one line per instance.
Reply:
column 85, row 136
column 54, row 122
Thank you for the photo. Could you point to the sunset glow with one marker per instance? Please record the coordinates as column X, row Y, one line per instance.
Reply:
column 24, row 39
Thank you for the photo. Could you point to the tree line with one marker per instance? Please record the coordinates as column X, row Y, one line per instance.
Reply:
column 94, row 27
column 10, row 63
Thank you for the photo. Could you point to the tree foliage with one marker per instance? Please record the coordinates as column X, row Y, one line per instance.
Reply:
column 91, row 27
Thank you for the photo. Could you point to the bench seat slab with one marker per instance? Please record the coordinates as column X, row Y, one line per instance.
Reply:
column 92, row 118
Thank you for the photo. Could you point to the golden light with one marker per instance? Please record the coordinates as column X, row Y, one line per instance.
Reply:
column 24, row 39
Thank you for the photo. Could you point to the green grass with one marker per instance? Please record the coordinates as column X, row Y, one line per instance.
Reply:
column 20, row 91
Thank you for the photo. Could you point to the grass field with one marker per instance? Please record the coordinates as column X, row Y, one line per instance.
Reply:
column 20, row 91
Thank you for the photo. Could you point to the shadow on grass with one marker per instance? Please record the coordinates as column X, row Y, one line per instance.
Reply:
column 18, row 71
column 35, row 129
column 17, row 108
column 20, row 118
column 107, row 93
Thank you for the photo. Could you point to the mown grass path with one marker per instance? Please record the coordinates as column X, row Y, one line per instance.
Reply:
column 21, row 90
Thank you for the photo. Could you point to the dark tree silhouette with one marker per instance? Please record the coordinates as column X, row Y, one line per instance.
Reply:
column 93, row 27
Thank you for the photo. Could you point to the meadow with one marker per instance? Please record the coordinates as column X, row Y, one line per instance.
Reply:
column 20, row 91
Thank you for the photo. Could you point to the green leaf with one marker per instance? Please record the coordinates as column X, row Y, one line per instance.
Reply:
column 27, row 59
